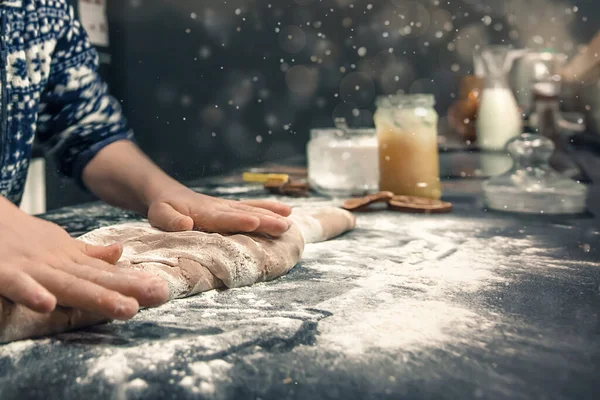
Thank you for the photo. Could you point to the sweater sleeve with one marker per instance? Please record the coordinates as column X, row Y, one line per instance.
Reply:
column 77, row 116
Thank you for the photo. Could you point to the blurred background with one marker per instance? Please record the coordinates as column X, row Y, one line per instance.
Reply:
column 213, row 85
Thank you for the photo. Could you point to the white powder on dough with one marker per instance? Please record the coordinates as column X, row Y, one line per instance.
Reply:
column 236, row 268
column 176, row 284
column 311, row 228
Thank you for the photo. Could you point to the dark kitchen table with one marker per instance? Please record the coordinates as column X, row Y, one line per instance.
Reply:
column 473, row 304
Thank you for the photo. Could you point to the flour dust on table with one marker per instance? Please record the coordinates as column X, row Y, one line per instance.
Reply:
column 400, row 296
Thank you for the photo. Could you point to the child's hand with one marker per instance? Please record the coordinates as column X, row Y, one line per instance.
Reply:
column 183, row 209
column 42, row 266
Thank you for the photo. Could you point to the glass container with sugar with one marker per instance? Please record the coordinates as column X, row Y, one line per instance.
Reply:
column 408, row 151
column 343, row 161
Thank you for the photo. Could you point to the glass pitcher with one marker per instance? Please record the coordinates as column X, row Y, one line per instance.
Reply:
column 499, row 118
column 535, row 67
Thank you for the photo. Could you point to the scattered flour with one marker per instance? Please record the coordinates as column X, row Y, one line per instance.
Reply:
column 137, row 385
column 404, row 326
column 406, row 285
column 205, row 375
column 16, row 350
column 187, row 381
column 235, row 324
column 112, row 366
column 404, row 297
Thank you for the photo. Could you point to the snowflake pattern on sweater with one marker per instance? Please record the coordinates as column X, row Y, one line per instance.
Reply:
column 50, row 90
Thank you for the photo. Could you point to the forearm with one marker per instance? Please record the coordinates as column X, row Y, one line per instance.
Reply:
column 123, row 176
column 8, row 211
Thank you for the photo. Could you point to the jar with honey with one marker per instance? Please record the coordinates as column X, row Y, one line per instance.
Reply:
column 408, row 150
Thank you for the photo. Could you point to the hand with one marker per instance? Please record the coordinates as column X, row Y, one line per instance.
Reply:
column 42, row 266
column 182, row 209
column 123, row 176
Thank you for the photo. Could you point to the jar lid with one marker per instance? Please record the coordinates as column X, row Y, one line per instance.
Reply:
column 342, row 134
column 325, row 132
column 532, row 186
column 406, row 100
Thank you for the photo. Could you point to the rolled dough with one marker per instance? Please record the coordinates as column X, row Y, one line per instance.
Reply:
column 191, row 262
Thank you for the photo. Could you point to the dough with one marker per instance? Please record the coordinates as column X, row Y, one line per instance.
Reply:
column 322, row 223
column 191, row 262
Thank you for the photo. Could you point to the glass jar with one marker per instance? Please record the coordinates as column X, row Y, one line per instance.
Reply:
column 343, row 162
column 408, row 150
column 532, row 186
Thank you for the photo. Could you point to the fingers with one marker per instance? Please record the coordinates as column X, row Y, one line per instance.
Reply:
column 238, row 205
column 230, row 222
column 273, row 206
column 225, row 217
column 23, row 289
column 165, row 217
column 270, row 223
column 148, row 290
column 109, row 254
column 71, row 291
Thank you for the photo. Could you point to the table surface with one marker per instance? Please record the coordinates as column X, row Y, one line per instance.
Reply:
column 472, row 304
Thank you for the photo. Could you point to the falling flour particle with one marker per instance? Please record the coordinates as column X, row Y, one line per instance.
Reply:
column 137, row 384
column 206, row 387
column 187, row 381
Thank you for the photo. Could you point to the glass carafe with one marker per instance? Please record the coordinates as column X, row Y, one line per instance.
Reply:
column 535, row 67
column 499, row 118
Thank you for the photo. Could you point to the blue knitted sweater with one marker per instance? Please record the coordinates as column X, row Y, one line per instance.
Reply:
column 50, row 89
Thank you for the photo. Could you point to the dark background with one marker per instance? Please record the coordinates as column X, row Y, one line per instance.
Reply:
column 213, row 85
